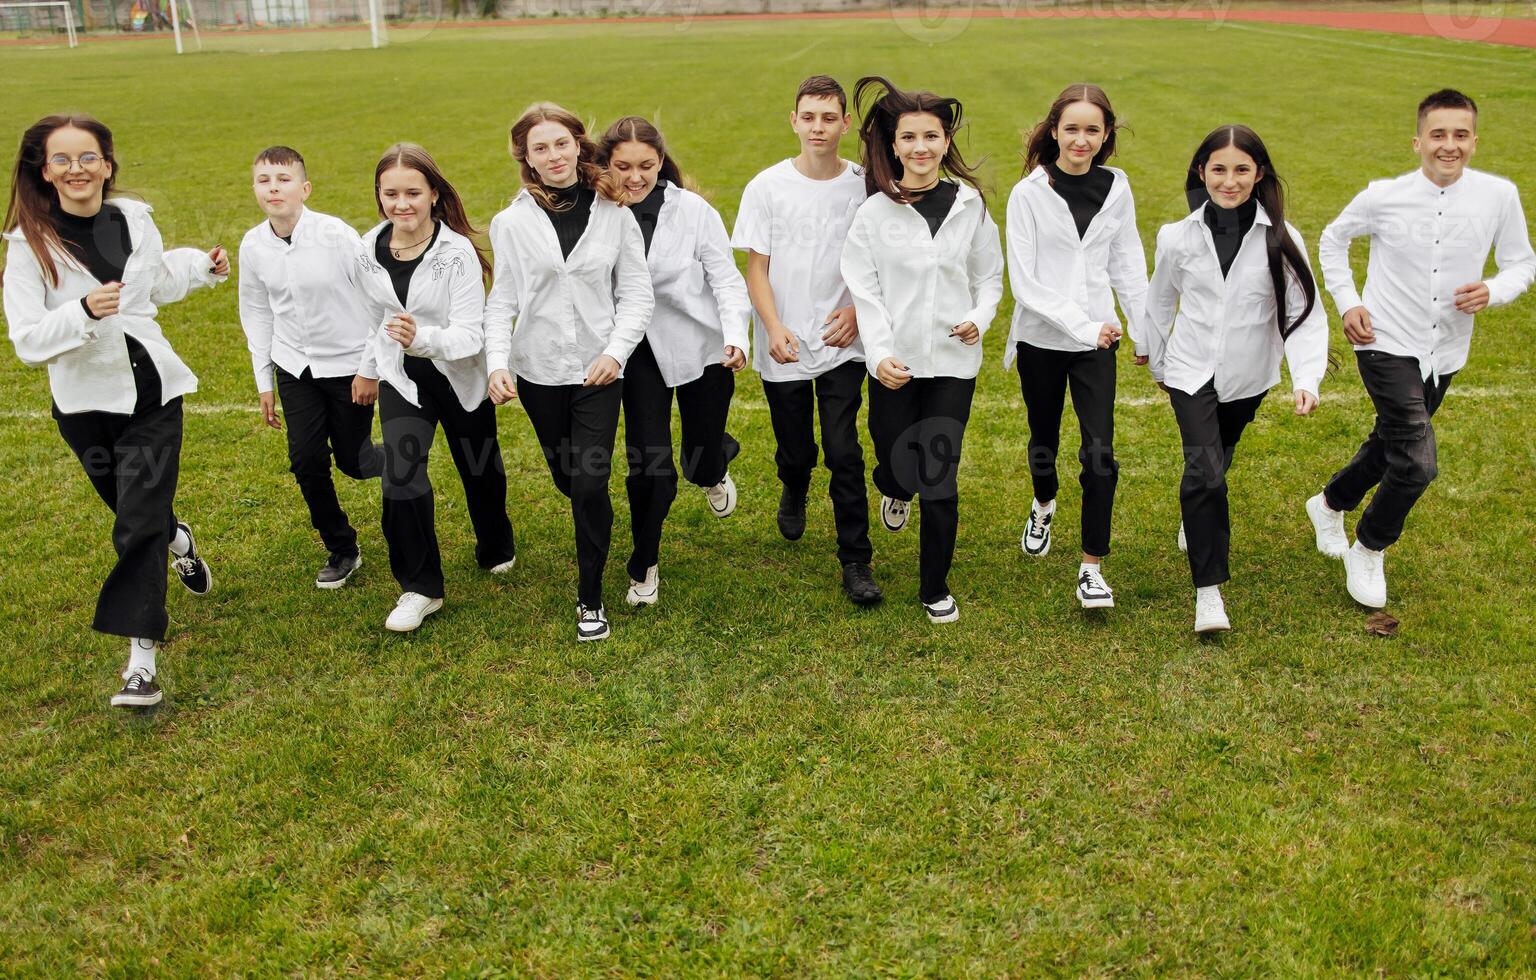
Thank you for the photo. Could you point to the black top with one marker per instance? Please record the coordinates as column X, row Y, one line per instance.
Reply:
column 646, row 211
column 287, row 238
column 1084, row 193
column 400, row 269
column 100, row 243
column 934, row 205
column 1229, row 226
column 574, row 205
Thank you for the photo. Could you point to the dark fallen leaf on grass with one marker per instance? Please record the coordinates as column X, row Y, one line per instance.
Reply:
column 1381, row 624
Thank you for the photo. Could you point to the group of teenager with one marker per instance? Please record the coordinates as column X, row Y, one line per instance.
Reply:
column 613, row 287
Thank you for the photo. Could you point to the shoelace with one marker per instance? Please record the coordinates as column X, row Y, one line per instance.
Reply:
column 185, row 564
column 137, row 681
column 1093, row 582
column 1037, row 523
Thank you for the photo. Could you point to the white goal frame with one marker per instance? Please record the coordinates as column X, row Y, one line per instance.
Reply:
column 69, row 14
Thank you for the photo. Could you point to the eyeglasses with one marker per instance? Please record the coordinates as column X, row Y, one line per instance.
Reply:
column 59, row 163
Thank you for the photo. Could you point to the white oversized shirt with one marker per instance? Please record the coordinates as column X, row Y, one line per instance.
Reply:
column 800, row 224
column 1426, row 241
column 912, row 287
column 1062, row 281
column 300, row 305
column 568, row 311
column 446, row 298
column 1225, row 327
column 88, row 367
column 701, row 297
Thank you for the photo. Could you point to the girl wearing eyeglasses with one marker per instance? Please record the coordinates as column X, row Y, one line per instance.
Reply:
column 85, row 273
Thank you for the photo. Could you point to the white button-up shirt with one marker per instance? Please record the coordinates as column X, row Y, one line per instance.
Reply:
column 1426, row 241
column 701, row 298
column 1062, row 281
column 568, row 310
column 1225, row 327
column 88, row 367
column 299, row 303
column 911, row 287
column 446, row 297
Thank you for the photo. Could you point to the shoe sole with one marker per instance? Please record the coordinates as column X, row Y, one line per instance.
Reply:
column 511, row 563
column 1106, row 603
column 1367, row 603
column 722, row 514
column 873, row 600
column 1317, row 534
column 589, row 638
column 341, row 581
column 893, row 528
column 1214, row 628
column 638, row 599
column 436, row 605
column 949, row 617
column 137, row 700
column 791, row 535
column 1035, row 554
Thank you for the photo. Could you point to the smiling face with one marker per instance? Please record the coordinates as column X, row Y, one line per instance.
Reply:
column 406, row 200
column 1079, row 135
column 281, row 189
column 637, row 165
column 553, row 153
column 820, row 122
column 1446, row 140
column 920, row 145
column 1229, row 176
column 76, row 167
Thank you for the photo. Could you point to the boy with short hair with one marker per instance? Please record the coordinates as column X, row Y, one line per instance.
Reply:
column 793, row 220
column 307, row 329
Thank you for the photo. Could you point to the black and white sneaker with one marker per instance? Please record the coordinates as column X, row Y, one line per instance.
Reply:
column 591, row 624
column 139, row 691
column 336, row 571
column 190, row 568
column 1036, row 540
column 792, row 514
column 722, row 497
column 1092, row 591
column 946, row 610
column 894, row 513
column 859, row 584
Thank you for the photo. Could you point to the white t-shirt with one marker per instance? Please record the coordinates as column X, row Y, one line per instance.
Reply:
column 800, row 224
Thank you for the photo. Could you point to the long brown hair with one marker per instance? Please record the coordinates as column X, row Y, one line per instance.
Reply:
column 638, row 129
column 33, row 198
column 886, row 104
column 449, row 208
column 1041, row 147
column 589, row 172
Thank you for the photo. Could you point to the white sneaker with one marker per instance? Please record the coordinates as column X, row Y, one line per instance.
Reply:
column 1036, row 540
column 591, row 624
column 946, row 610
column 894, row 513
column 1365, row 576
column 1092, row 591
column 722, row 497
column 644, row 593
column 1183, row 541
column 1328, row 525
column 1210, row 611
column 410, row 609
column 504, row 567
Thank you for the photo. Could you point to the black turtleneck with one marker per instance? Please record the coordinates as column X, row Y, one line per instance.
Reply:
column 934, row 204
column 401, row 270
column 646, row 211
column 572, row 207
column 1229, row 226
column 100, row 243
column 1084, row 193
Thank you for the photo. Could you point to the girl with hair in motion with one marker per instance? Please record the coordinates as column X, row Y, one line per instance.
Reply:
column 1071, row 238
column 925, row 267
column 85, row 273
column 571, row 273
column 424, row 283
column 1233, row 286
column 696, row 341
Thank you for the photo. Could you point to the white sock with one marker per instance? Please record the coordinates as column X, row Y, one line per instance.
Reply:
column 1362, row 549
column 181, row 543
column 1083, row 567
column 1206, row 590
column 141, row 656
column 1049, row 508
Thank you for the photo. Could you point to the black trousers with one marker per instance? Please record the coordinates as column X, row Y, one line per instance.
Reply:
column 133, row 463
column 1210, row 430
column 917, row 431
column 576, row 426
column 1399, row 455
column 793, row 407
column 321, row 421
column 1043, row 378
column 409, row 518
column 707, row 449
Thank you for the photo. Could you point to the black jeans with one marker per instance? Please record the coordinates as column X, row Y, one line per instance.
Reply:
column 1399, row 455
column 321, row 420
column 1210, row 430
column 793, row 407
column 133, row 463
column 410, row 513
column 707, row 449
column 1043, row 379
column 917, row 431
column 576, row 426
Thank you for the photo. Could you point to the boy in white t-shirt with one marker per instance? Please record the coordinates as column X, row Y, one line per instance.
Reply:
column 793, row 220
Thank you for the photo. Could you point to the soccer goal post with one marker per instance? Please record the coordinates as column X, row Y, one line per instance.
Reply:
column 26, row 8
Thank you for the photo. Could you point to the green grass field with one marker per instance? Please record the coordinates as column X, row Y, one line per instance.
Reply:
column 753, row 778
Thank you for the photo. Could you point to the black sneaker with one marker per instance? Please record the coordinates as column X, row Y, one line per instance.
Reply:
column 591, row 624
column 859, row 584
column 792, row 514
column 139, row 691
column 336, row 571
column 191, row 569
